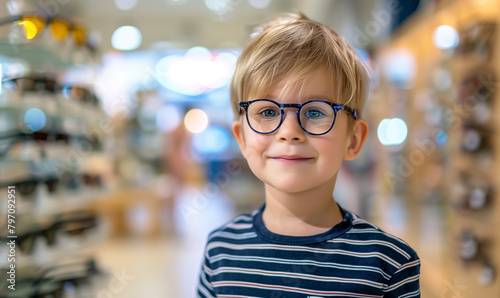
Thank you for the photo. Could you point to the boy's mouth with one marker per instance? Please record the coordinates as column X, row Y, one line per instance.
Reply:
column 291, row 158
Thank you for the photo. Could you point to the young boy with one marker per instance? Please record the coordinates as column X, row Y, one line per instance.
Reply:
column 297, row 92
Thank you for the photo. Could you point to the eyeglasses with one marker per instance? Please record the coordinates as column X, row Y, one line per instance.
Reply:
column 72, row 182
column 57, row 281
column 50, row 85
column 27, row 187
column 31, row 84
column 316, row 117
column 81, row 94
column 72, row 226
column 8, row 139
column 59, row 27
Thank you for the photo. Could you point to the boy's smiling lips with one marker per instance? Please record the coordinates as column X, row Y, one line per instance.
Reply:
column 290, row 158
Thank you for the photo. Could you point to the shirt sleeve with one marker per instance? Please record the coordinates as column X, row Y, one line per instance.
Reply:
column 405, row 282
column 205, row 289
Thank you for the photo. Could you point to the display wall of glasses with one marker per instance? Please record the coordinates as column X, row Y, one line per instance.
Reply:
column 475, row 188
column 47, row 137
column 449, row 162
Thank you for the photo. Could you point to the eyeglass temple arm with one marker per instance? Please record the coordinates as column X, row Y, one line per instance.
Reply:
column 353, row 112
column 243, row 105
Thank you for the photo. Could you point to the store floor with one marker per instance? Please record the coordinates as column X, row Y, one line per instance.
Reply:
column 153, row 268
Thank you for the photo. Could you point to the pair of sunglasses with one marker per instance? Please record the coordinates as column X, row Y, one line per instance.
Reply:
column 83, row 95
column 31, row 84
column 72, row 226
column 60, row 28
column 477, row 39
column 477, row 88
column 52, row 282
column 47, row 84
column 476, row 139
column 72, row 182
column 27, row 187
column 41, row 136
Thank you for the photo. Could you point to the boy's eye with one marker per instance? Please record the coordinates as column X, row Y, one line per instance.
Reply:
column 270, row 113
column 312, row 113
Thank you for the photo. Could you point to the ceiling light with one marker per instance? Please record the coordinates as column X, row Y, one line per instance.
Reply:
column 125, row 4
column 126, row 38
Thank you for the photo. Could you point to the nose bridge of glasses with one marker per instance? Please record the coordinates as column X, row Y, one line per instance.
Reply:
column 291, row 105
column 284, row 106
column 293, row 117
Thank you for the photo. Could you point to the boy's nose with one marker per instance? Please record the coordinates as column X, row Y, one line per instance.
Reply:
column 290, row 130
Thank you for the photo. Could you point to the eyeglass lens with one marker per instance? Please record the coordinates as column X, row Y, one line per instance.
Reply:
column 315, row 117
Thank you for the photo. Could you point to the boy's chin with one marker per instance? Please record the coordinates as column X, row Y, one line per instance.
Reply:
column 289, row 186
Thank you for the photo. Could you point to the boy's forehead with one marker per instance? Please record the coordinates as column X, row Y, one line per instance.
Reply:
column 317, row 85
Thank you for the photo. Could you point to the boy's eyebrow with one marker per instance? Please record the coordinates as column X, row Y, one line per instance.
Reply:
column 327, row 97
column 323, row 97
column 303, row 99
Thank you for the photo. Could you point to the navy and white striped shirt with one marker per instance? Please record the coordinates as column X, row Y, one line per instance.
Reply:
column 353, row 259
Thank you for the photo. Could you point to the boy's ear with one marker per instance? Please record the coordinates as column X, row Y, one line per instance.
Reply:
column 357, row 139
column 240, row 138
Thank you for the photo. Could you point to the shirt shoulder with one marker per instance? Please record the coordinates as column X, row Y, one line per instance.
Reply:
column 369, row 235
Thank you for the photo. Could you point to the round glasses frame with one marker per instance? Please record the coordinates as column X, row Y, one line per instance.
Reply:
column 335, row 106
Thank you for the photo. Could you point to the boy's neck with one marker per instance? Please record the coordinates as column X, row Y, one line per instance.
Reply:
column 300, row 214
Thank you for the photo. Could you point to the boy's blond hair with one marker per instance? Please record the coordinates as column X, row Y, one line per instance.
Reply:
column 292, row 48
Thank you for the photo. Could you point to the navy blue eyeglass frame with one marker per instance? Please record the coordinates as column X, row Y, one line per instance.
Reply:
column 335, row 106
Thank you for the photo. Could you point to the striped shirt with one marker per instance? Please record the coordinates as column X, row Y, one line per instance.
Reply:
column 353, row 259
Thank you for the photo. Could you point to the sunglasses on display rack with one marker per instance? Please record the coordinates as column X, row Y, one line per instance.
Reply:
column 27, row 188
column 72, row 182
column 40, row 136
column 476, row 193
column 477, row 39
column 60, row 28
column 47, row 84
column 478, row 88
column 83, row 95
column 476, row 139
column 55, row 281
column 31, row 84
column 8, row 139
column 72, row 226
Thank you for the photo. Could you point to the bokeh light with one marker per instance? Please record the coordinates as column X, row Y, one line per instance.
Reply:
column 167, row 118
column 441, row 138
column 196, row 72
column 445, row 37
column 400, row 66
column 35, row 119
column 126, row 38
column 259, row 3
column 392, row 131
column 29, row 29
column 220, row 7
column 196, row 121
column 125, row 4
column 213, row 140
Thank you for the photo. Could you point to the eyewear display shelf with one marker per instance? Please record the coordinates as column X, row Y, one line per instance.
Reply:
column 48, row 147
column 446, row 175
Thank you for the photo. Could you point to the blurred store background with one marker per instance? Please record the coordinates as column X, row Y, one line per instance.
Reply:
column 115, row 134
